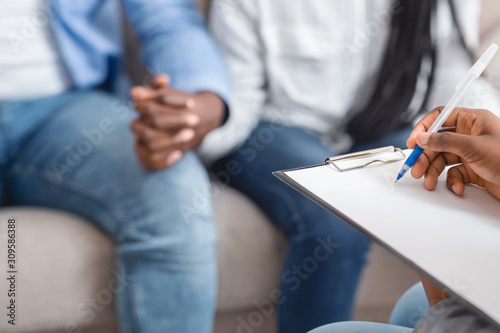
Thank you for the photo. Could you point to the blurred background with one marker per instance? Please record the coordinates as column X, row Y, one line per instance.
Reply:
column 489, row 33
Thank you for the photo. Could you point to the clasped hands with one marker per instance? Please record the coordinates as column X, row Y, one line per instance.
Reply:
column 171, row 122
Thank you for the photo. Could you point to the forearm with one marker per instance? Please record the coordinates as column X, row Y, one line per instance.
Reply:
column 175, row 42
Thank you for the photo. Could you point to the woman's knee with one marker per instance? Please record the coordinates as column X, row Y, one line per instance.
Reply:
column 360, row 327
column 411, row 307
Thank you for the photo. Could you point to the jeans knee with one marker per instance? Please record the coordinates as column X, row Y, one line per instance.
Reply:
column 174, row 216
column 173, row 241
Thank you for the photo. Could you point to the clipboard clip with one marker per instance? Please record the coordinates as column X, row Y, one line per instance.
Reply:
column 384, row 155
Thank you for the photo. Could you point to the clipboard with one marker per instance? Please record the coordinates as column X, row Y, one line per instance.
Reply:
column 365, row 158
column 453, row 240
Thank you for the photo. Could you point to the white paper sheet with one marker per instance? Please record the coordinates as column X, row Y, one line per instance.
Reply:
column 454, row 239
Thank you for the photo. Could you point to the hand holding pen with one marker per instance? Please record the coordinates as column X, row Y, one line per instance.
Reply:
column 473, row 147
column 472, row 75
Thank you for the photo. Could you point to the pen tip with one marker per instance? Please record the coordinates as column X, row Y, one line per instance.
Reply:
column 395, row 181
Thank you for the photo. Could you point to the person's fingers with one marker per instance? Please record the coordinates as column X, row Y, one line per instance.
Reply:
column 164, row 96
column 151, row 108
column 460, row 117
column 140, row 93
column 435, row 169
column 157, row 161
column 420, row 167
column 457, row 178
column 423, row 126
column 145, row 132
column 454, row 143
column 155, row 139
column 163, row 143
column 412, row 139
column 176, row 101
column 159, row 81
column 165, row 118
column 172, row 122
column 172, row 98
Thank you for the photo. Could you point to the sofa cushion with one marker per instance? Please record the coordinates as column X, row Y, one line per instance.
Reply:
column 251, row 251
column 65, row 264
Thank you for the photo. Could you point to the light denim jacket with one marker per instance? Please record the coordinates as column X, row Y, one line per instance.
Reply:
column 172, row 34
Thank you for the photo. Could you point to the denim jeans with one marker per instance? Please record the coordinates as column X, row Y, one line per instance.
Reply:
column 410, row 308
column 325, row 255
column 75, row 152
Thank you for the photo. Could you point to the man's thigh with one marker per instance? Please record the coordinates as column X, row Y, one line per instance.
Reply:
column 83, row 160
column 3, row 153
column 272, row 147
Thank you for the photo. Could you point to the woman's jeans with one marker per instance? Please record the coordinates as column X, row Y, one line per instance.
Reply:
column 410, row 308
column 325, row 255
column 75, row 152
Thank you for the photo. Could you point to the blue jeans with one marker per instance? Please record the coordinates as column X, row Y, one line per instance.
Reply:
column 75, row 152
column 325, row 255
column 410, row 308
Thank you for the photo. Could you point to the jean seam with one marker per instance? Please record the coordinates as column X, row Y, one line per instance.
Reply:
column 134, row 299
column 112, row 207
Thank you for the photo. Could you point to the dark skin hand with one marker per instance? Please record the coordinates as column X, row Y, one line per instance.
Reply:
column 172, row 122
column 473, row 144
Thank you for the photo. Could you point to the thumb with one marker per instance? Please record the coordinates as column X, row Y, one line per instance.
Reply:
column 454, row 143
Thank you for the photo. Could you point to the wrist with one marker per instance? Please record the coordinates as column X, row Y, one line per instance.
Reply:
column 212, row 107
column 433, row 292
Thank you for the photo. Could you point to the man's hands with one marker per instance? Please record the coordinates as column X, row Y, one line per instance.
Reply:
column 172, row 122
column 473, row 143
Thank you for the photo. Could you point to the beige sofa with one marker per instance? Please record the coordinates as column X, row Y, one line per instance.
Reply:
column 64, row 264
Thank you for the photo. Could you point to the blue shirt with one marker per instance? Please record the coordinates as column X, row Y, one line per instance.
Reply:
column 172, row 34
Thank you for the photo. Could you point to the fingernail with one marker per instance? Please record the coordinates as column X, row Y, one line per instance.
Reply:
column 454, row 189
column 192, row 120
column 423, row 138
column 138, row 92
column 185, row 136
column 174, row 157
column 160, row 78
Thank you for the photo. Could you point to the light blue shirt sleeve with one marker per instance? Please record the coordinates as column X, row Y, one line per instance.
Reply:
column 175, row 42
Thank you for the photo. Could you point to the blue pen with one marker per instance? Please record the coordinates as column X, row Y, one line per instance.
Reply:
column 472, row 75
